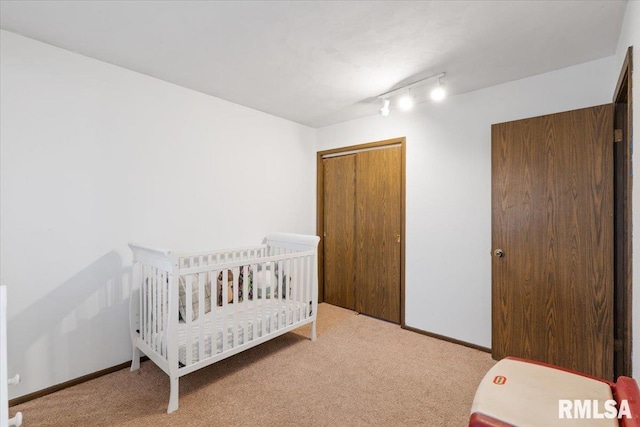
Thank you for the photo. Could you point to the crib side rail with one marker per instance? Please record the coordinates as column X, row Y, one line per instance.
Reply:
column 233, row 305
column 226, row 255
column 199, row 268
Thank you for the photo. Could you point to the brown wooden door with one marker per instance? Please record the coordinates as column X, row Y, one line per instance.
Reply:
column 339, row 230
column 362, row 223
column 378, row 225
column 552, row 290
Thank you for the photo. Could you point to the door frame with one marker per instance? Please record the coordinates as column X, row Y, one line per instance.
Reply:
column 320, row 208
column 622, row 117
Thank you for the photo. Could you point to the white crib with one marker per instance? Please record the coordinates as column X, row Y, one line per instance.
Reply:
column 250, row 296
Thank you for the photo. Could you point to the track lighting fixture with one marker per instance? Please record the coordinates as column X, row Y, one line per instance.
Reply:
column 438, row 93
column 407, row 100
column 405, row 103
column 384, row 111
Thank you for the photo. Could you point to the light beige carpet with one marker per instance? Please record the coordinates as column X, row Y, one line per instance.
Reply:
column 360, row 372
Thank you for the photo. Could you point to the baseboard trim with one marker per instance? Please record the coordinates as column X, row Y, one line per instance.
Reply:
column 445, row 338
column 70, row 383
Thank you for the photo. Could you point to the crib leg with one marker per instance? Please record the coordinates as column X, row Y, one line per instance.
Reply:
column 173, row 396
column 313, row 330
column 135, row 360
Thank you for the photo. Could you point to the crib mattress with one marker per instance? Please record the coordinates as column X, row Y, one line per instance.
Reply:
column 274, row 319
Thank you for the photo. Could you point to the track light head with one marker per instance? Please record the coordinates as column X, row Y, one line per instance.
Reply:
column 405, row 103
column 384, row 110
column 438, row 93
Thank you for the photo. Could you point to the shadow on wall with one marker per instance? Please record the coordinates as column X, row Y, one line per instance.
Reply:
column 79, row 327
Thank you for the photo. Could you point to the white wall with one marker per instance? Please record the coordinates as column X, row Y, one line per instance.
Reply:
column 630, row 36
column 94, row 156
column 448, row 212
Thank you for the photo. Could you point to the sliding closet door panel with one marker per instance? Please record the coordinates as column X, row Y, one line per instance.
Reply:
column 339, row 230
column 378, row 228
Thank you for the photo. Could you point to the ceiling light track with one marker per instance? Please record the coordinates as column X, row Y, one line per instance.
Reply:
column 403, row 89
column 437, row 94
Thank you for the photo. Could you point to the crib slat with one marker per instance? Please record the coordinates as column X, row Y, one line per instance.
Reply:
column 236, row 303
column 258, row 286
column 154, row 310
column 225, row 296
column 284, row 293
column 140, row 268
column 300, row 288
column 286, row 264
column 288, row 316
column 275, row 317
column 152, row 280
column 301, row 293
column 162, row 315
column 188, row 314
column 305, row 285
column 267, row 295
column 295, row 286
column 310, row 284
column 278, row 315
column 214, row 309
column 273, row 287
column 156, row 320
column 245, row 301
column 149, row 306
column 201, row 307
column 143, row 305
column 153, row 316
column 254, row 317
column 150, row 314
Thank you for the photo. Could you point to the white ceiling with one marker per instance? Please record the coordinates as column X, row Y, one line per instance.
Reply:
column 317, row 62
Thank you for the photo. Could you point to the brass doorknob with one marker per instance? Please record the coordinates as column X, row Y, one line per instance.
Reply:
column 499, row 253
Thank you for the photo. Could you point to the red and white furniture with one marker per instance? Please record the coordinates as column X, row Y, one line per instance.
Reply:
column 519, row 392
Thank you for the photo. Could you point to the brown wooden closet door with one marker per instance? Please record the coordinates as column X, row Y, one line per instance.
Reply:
column 378, row 224
column 339, row 230
column 552, row 207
